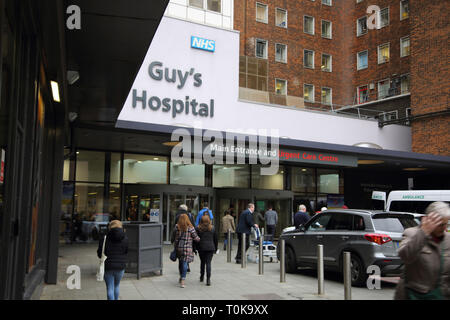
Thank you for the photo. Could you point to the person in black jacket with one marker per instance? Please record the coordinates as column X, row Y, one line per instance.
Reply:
column 245, row 225
column 116, row 250
column 206, row 247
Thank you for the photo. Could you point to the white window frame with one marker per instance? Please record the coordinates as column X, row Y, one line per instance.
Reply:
column 331, row 62
column 313, row 92
column 379, row 18
column 266, row 12
column 403, row 76
column 286, row 17
column 381, row 60
column 304, row 58
column 285, row 86
column 357, row 93
column 358, row 67
column 256, row 48
column 331, row 29
column 328, row 4
column 385, row 114
column 285, row 52
column 313, row 24
column 378, row 88
column 358, row 33
column 205, row 6
column 402, row 9
column 331, row 96
column 401, row 47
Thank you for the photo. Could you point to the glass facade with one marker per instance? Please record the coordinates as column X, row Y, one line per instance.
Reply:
column 139, row 168
column 231, row 176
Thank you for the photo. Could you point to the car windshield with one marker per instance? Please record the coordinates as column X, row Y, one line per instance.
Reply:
column 393, row 224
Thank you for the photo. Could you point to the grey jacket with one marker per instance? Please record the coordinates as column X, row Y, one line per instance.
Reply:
column 271, row 217
column 421, row 256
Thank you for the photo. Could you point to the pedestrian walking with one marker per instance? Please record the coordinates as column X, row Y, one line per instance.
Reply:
column 228, row 224
column 425, row 251
column 271, row 218
column 183, row 209
column 301, row 217
column 116, row 250
column 245, row 225
column 202, row 212
column 182, row 238
column 206, row 247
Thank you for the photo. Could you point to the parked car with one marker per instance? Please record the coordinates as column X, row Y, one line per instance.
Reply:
column 372, row 237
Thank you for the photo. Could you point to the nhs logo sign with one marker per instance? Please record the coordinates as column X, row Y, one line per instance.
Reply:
column 203, row 44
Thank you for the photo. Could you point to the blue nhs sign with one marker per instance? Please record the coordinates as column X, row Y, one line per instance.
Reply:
column 203, row 44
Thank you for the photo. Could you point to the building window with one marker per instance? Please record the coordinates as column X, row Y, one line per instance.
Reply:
column 261, row 48
column 281, row 18
column 404, row 9
column 90, row 166
column 326, row 2
column 361, row 26
column 383, row 53
column 363, row 60
column 404, row 84
column 383, row 89
column 280, row 86
column 404, row 47
column 326, row 95
column 384, row 17
column 231, row 176
column 253, row 73
column 390, row 115
column 308, row 59
column 140, row 168
column 211, row 5
column 363, row 94
column 308, row 24
column 214, row 5
column 308, row 92
column 280, row 52
column 261, row 12
column 328, row 181
column 273, row 182
column 303, row 180
column 326, row 29
column 326, row 62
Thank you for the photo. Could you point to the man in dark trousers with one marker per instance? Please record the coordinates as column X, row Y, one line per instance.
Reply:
column 301, row 217
column 245, row 225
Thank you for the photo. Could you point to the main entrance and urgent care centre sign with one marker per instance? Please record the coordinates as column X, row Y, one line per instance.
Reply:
column 190, row 78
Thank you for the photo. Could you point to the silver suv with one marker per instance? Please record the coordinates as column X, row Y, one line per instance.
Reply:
column 372, row 237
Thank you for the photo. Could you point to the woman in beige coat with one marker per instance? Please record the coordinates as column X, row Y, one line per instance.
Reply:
column 228, row 224
column 425, row 251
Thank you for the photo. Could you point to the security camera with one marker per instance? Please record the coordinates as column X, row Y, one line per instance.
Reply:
column 73, row 116
column 72, row 76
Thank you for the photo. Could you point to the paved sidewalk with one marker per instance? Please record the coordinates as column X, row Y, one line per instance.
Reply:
column 229, row 281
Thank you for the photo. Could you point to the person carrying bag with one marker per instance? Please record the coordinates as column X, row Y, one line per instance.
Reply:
column 101, row 267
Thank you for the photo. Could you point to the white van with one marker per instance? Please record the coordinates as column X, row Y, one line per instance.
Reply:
column 414, row 201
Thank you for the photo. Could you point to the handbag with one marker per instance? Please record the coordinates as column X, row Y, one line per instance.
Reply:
column 101, row 265
column 173, row 255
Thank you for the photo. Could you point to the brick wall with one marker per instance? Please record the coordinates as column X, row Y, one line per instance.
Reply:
column 430, row 31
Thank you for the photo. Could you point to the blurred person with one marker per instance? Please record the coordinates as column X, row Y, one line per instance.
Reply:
column 202, row 212
column 183, row 236
column 425, row 251
column 245, row 225
column 116, row 250
column 206, row 247
column 271, row 218
column 228, row 224
column 301, row 217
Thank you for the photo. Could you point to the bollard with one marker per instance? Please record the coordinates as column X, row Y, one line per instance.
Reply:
column 282, row 261
column 347, row 277
column 243, row 251
column 229, row 246
column 261, row 257
column 320, row 269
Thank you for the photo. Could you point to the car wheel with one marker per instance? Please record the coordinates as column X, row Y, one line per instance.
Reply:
column 291, row 264
column 358, row 274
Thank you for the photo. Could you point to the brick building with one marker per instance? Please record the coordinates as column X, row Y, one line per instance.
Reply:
column 345, row 57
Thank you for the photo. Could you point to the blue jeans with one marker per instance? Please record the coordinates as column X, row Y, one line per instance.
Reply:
column 182, row 267
column 112, row 279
